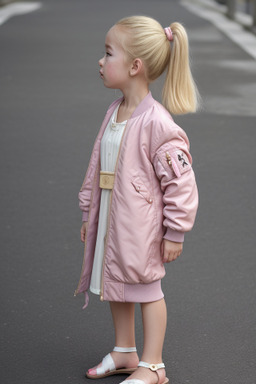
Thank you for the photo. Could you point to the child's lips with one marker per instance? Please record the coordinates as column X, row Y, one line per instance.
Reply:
column 101, row 74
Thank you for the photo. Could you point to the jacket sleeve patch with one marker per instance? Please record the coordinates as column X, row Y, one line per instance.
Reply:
column 174, row 160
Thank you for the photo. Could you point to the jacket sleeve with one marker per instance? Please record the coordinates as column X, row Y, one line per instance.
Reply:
column 84, row 202
column 85, row 193
column 84, row 197
column 180, row 196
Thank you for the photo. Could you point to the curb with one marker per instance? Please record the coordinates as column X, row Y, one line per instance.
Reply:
column 237, row 30
column 243, row 19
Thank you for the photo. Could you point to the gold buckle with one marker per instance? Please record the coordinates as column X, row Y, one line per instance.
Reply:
column 107, row 180
column 153, row 367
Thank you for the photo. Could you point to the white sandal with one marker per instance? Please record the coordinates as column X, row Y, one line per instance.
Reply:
column 108, row 366
column 162, row 379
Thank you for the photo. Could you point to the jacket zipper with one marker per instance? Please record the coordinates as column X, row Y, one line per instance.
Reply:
column 85, row 240
column 110, row 205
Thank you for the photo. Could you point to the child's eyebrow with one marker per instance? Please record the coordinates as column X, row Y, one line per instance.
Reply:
column 108, row 46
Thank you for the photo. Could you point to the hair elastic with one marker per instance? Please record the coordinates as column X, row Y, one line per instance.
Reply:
column 168, row 33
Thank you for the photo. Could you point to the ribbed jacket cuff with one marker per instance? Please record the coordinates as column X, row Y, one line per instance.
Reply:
column 85, row 216
column 176, row 236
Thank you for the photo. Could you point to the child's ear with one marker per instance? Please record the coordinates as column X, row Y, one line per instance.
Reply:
column 136, row 67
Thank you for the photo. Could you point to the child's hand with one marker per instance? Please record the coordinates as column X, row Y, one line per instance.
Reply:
column 171, row 250
column 83, row 230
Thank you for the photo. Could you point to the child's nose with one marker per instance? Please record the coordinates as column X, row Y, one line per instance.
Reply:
column 101, row 62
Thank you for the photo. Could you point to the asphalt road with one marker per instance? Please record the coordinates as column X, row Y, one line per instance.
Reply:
column 52, row 104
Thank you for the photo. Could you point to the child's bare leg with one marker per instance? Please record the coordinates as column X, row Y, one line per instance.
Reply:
column 123, row 319
column 154, row 318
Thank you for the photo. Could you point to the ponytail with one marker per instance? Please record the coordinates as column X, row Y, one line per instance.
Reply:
column 145, row 38
column 180, row 93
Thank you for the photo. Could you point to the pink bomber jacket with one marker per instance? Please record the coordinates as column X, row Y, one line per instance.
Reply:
column 154, row 196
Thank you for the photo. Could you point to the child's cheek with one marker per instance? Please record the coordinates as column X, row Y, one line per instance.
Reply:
column 111, row 72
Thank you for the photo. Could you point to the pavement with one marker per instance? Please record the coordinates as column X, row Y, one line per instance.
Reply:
column 52, row 103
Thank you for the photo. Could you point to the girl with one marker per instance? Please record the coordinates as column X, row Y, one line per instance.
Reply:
column 139, row 195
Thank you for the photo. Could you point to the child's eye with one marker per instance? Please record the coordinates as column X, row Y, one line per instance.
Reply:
column 107, row 54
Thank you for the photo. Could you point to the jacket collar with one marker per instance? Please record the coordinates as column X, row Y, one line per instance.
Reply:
column 147, row 102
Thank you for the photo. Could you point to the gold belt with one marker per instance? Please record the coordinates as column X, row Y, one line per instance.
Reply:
column 107, row 180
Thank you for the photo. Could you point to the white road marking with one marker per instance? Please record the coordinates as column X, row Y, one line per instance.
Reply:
column 234, row 30
column 17, row 9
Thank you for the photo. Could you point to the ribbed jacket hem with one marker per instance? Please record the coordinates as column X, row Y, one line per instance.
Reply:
column 133, row 293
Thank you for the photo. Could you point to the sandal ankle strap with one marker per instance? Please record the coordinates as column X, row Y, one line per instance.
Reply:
column 153, row 367
column 122, row 349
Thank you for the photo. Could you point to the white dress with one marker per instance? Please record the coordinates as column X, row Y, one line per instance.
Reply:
column 109, row 149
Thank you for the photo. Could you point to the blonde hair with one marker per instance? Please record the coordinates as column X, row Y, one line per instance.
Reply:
column 145, row 38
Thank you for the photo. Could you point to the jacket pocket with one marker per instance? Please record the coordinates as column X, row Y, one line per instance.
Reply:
column 142, row 190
